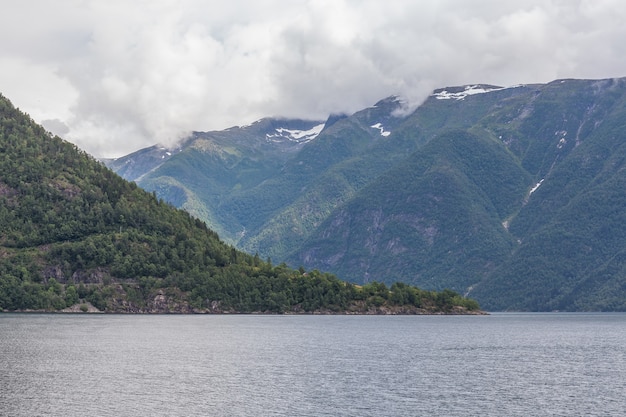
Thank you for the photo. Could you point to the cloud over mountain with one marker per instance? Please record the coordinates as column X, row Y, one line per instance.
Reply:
column 123, row 75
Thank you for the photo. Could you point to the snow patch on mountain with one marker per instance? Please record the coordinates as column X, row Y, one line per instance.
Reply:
column 380, row 127
column 532, row 190
column 167, row 152
column 467, row 91
column 294, row 134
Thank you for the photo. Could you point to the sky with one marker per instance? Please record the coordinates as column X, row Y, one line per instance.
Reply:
column 116, row 76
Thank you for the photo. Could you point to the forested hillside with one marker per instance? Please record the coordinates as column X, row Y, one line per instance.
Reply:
column 436, row 215
column 74, row 234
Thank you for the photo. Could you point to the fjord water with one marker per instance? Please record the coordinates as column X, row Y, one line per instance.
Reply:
column 173, row 365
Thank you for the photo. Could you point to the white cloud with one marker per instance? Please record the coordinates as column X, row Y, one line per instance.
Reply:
column 123, row 75
column 36, row 88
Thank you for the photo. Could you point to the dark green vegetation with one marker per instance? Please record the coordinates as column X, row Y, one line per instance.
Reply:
column 72, row 233
column 516, row 196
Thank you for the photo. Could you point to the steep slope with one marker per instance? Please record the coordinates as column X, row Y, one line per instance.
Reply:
column 396, row 136
column 134, row 166
column 555, row 233
column 71, row 228
column 72, row 232
column 573, row 228
column 208, row 168
column 328, row 170
column 432, row 220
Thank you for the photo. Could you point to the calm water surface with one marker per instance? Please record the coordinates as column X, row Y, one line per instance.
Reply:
column 497, row 365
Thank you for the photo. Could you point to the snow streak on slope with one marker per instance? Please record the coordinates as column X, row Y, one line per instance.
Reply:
column 532, row 190
column 468, row 91
column 380, row 127
column 295, row 135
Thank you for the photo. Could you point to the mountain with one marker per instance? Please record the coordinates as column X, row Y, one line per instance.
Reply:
column 249, row 187
column 203, row 173
column 523, row 210
column 512, row 195
column 74, row 235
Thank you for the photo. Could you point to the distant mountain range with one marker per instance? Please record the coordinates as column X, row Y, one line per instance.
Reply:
column 516, row 196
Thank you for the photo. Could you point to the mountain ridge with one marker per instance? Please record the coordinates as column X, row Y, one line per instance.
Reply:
column 545, row 150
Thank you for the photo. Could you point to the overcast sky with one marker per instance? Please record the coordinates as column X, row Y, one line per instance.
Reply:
column 114, row 76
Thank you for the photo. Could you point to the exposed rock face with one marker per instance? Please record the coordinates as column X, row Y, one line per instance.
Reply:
column 96, row 276
column 85, row 307
column 54, row 272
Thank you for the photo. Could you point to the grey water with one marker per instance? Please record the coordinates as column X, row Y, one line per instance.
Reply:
column 246, row 365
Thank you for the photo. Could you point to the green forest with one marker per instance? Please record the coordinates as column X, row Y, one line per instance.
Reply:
column 73, row 233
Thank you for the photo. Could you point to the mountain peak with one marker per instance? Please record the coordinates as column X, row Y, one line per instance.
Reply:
column 391, row 100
